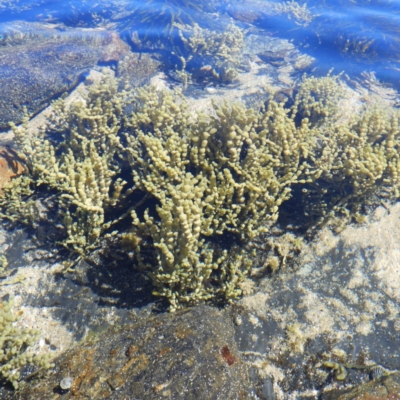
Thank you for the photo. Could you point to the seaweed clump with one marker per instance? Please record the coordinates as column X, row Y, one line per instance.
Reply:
column 357, row 159
column 188, row 192
column 193, row 44
column 210, row 55
column 14, row 346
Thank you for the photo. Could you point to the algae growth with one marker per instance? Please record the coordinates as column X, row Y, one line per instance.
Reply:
column 187, row 193
column 15, row 346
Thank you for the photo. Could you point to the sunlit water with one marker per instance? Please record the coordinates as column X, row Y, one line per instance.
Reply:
column 344, row 35
column 353, row 37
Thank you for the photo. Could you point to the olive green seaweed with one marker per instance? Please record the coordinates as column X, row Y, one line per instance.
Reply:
column 223, row 50
column 15, row 345
column 189, row 181
column 301, row 14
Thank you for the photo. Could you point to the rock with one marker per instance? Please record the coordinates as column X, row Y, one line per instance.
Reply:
column 10, row 165
column 240, row 12
column 38, row 63
column 188, row 355
column 253, row 11
column 340, row 303
column 137, row 69
column 386, row 388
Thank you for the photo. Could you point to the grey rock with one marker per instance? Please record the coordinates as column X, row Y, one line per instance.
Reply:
column 340, row 303
column 188, row 355
column 137, row 69
column 38, row 63
column 384, row 388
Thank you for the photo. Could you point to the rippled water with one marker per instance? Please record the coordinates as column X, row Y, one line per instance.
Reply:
column 349, row 35
column 48, row 47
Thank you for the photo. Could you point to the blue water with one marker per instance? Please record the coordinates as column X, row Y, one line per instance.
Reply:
column 349, row 36
column 344, row 35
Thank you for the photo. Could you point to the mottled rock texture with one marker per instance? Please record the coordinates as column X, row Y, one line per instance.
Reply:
column 188, row 355
column 38, row 63
column 387, row 388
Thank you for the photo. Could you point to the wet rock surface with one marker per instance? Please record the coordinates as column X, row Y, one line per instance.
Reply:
column 10, row 165
column 340, row 304
column 387, row 388
column 190, row 355
column 49, row 63
column 137, row 69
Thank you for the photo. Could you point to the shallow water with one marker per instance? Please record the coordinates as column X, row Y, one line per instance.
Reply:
column 349, row 36
column 49, row 48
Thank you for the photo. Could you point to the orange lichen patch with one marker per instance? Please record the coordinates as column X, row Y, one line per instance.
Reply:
column 10, row 165
column 227, row 355
column 142, row 361
column 113, row 352
column 161, row 386
column 87, row 370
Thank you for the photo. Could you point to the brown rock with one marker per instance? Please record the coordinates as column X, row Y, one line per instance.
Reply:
column 138, row 69
column 188, row 355
column 113, row 48
column 10, row 165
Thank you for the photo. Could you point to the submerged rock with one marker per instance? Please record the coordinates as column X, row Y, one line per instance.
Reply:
column 340, row 306
column 38, row 63
column 381, row 389
column 188, row 355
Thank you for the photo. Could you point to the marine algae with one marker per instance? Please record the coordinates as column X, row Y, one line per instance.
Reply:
column 198, row 188
column 15, row 346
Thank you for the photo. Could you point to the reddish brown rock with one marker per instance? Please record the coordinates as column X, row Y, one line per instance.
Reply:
column 10, row 165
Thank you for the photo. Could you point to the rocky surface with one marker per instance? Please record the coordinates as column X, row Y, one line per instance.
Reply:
column 48, row 62
column 340, row 304
column 188, row 355
column 137, row 69
column 386, row 388
column 10, row 165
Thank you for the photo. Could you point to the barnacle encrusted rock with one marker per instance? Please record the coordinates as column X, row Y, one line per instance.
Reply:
column 199, row 187
column 14, row 346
